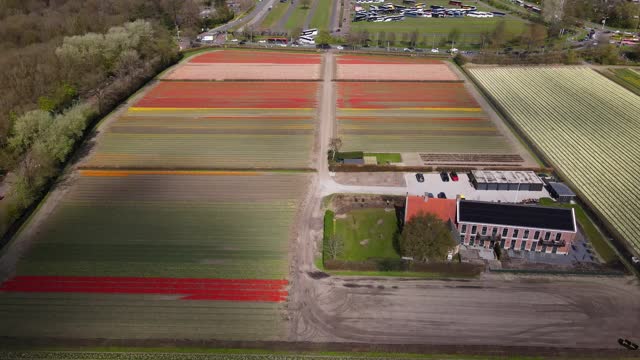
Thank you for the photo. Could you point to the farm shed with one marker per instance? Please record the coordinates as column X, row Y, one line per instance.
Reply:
column 506, row 180
column 561, row 192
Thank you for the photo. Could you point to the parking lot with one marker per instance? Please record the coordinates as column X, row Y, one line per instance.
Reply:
column 433, row 184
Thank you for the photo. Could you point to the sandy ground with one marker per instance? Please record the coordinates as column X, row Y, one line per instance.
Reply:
column 371, row 179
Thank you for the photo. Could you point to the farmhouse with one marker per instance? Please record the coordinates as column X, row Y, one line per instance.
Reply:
column 445, row 209
column 519, row 227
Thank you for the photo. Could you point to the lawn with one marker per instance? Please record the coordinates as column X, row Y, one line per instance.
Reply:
column 434, row 31
column 274, row 15
column 320, row 19
column 297, row 18
column 367, row 234
column 384, row 158
column 591, row 231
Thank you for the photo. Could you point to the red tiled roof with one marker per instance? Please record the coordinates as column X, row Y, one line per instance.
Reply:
column 445, row 209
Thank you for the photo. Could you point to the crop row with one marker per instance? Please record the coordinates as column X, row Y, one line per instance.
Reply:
column 414, row 117
column 396, row 72
column 51, row 355
column 586, row 126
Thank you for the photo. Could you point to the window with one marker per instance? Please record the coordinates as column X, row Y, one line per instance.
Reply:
column 505, row 231
column 482, row 242
column 558, row 236
column 484, row 230
column 547, row 236
column 523, row 245
column 463, row 229
column 536, row 235
column 515, row 233
column 473, row 229
column 494, row 232
column 513, row 244
column 526, row 234
column 533, row 246
column 472, row 240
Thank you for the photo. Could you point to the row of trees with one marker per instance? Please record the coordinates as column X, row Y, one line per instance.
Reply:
column 534, row 35
column 90, row 74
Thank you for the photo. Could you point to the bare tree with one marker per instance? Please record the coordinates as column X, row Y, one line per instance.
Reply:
column 334, row 247
column 334, row 145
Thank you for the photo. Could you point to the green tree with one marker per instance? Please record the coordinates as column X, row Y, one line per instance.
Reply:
column 454, row 35
column 323, row 38
column 305, row 3
column 426, row 238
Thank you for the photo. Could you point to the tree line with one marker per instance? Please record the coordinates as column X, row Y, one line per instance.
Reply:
column 65, row 63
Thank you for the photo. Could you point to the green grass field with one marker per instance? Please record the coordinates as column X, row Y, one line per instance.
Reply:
column 435, row 31
column 384, row 158
column 367, row 234
column 297, row 18
column 274, row 15
column 320, row 19
column 591, row 231
column 628, row 78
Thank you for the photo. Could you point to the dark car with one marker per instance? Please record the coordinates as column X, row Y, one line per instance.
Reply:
column 444, row 176
column 420, row 177
column 442, row 195
column 323, row 46
column 242, row 42
column 430, row 195
column 454, row 176
column 628, row 344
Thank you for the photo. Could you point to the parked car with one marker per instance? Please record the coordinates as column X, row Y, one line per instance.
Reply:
column 435, row 51
column 454, row 176
column 635, row 260
column 442, row 195
column 242, row 42
column 420, row 177
column 430, row 195
column 340, row 47
column 444, row 176
column 628, row 344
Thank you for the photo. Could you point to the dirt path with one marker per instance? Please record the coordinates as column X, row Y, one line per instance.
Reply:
column 335, row 16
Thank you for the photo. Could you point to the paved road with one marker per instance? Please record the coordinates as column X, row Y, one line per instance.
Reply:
column 569, row 313
column 252, row 19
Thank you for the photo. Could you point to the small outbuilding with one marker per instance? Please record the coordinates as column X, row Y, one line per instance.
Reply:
column 561, row 192
column 506, row 180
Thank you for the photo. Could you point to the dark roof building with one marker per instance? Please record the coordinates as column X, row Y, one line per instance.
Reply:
column 518, row 227
column 539, row 217
column 561, row 192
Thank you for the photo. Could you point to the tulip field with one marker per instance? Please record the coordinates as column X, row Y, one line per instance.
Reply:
column 388, row 68
column 425, row 117
column 169, row 254
column 167, row 230
column 214, row 125
column 248, row 65
column 586, row 126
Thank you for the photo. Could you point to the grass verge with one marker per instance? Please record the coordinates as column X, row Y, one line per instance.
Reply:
column 275, row 14
column 384, row 158
column 367, row 234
